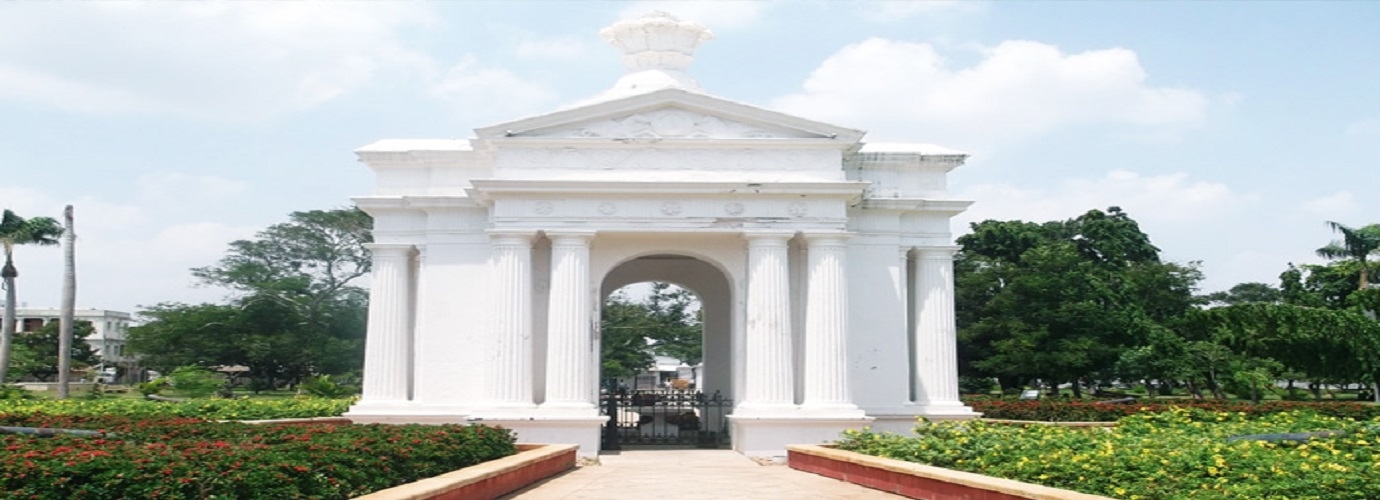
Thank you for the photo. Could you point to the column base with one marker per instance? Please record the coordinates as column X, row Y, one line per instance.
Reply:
column 902, row 419
column 405, row 412
column 764, row 436
column 546, row 428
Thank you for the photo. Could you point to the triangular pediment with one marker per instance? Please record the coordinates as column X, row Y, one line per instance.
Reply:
column 669, row 114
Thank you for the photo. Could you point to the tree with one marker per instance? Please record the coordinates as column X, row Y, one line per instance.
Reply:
column 297, row 313
column 1245, row 293
column 1060, row 301
column 43, row 348
column 264, row 335
column 69, row 304
column 665, row 323
column 623, row 350
column 15, row 231
column 1357, row 244
column 304, row 263
column 1323, row 344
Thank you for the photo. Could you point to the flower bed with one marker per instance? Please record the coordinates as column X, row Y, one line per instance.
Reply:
column 1181, row 453
column 1080, row 411
column 190, row 458
column 209, row 409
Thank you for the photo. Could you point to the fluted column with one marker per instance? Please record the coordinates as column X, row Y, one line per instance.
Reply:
column 936, row 356
column 769, row 381
column 826, row 323
column 387, row 349
column 510, row 286
column 570, row 347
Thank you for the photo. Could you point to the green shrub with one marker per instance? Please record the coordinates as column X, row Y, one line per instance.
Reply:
column 11, row 391
column 196, row 381
column 152, row 387
column 322, row 386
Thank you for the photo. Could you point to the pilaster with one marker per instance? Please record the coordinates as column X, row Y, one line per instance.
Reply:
column 387, row 351
column 826, row 324
column 936, row 357
column 510, row 367
column 570, row 369
column 768, row 382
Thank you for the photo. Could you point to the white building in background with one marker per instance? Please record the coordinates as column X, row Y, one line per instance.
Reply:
column 823, row 263
column 108, row 339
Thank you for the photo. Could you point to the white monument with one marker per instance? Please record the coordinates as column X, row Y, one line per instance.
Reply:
column 823, row 262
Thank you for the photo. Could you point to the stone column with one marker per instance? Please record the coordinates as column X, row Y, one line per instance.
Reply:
column 768, row 382
column 388, row 345
column 570, row 358
column 510, row 286
column 826, row 324
column 936, row 358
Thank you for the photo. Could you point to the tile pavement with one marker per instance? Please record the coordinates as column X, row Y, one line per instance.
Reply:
column 690, row 474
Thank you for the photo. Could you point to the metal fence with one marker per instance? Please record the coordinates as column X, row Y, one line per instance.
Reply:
column 665, row 417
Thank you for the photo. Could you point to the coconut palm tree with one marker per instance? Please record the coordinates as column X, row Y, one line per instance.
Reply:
column 1356, row 244
column 15, row 231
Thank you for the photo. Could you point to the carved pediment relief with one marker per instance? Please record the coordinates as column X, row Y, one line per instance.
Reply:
column 669, row 124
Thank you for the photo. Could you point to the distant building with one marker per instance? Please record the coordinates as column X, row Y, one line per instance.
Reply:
column 108, row 338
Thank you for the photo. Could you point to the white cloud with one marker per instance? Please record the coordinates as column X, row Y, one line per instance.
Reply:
column 717, row 15
column 1332, row 206
column 486, row 95
column 1019, row 89
column 216, row 60
column 1160, row 200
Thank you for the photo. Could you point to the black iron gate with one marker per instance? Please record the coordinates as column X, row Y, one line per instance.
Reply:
column 665, row 417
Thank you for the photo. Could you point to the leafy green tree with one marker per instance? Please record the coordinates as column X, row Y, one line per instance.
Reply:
column 1060, row 301
column 42, row 346
column 15, row 231
column 306, row 263
column 1356, row 245
column 1322, row 344
column 623, row 349
column 1243, row 293
column 665, row 323
column 297, row 313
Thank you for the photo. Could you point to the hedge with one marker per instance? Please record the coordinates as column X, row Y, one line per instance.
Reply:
column 144, row 457
column 209, row 409
column 1079, row 411
column 1178, row 454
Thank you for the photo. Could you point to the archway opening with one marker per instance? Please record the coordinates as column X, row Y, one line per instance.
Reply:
column 665, row 354
column 652, row 337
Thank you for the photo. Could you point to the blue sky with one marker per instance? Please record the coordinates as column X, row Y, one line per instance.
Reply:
column 1230, row 130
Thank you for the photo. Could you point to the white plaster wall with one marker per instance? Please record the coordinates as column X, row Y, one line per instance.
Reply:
column 878, row 343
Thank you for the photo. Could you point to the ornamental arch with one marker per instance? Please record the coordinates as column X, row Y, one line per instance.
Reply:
column 492, row 255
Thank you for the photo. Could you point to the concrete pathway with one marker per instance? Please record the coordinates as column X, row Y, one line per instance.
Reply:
column 690, row 474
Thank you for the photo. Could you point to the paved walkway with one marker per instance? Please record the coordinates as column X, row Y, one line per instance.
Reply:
column 690, row 474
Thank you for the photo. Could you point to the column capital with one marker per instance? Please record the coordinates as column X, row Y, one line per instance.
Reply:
column 390, row 249
column 571, row 236
column 511, row 236
column 827, row 237
column 768, row 237
column 937, row 253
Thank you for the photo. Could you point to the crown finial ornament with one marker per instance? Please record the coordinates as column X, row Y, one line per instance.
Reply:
column 657, row 48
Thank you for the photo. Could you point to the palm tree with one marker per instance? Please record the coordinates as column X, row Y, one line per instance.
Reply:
column 1357, row 244
column 15, row 231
